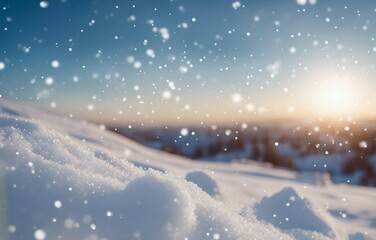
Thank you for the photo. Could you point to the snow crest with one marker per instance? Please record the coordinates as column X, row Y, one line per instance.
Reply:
column 204, row 181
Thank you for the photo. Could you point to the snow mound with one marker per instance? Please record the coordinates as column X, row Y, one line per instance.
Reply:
column 71, row 184
column 152, row 207
column 288, row 211
column 204, row 181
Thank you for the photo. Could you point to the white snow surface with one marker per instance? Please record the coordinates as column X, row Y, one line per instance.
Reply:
column 205, row 182
column 285, row 208
column 67, row 179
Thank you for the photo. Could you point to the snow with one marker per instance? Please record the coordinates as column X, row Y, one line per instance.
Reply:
column 49, row 80
column 285, row 210
column 166, row 94
column 236, row 98
column 130, row 59
column 137, row 64
column 236, row 5
column 164, row 33
column 58, row 204
column 301, row 2
column 43, row 4
column 184, row 132
column 75, row 79
column 304, row 2
column 150, row 53
column 183, row 69
column 204, row 181
column 154, row 207
column 55, row 64
column 39, row 234
column 69, row 179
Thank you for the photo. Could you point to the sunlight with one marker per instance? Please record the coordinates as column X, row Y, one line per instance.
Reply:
column 335, row 97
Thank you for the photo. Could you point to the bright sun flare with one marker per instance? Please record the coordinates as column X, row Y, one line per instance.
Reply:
column 334, row 97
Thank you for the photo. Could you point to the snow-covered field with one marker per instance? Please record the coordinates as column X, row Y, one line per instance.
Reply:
column 65, row 179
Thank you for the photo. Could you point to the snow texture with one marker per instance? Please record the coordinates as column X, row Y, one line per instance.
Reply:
column 67, row 179
column 43, row 166
column 204, row 181
column 287, row 210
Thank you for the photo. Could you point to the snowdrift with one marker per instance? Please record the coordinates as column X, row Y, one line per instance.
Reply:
column 65, row 179
column 287, row 210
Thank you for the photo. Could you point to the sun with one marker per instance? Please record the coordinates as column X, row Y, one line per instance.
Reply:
column 334, row 97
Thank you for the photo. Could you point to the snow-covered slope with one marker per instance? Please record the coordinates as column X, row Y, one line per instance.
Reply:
column 65, row 179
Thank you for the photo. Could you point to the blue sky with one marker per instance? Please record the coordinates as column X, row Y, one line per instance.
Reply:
column 197, row 62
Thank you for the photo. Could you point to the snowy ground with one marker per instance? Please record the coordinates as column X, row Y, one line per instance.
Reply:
column 65, row 179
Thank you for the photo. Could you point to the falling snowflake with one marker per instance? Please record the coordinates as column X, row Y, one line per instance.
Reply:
column 304, row 2
column 164, row 33
column 236, row 5
column 130, row 59
column 183, row 69
column 166, row 94
column 363, row 144
column 40, row 234
column 58, row 204
column 55, row 64
column 184, row 132
column 150, row 53
column 90, row 107
column 49, row 80
column 236, row 98
column 137, row 64
column 43, row 4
